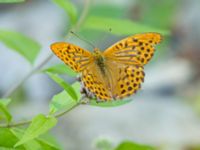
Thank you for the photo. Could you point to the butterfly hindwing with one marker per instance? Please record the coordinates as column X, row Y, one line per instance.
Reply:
column 74, row 56
column 126, row 79
column 95, row 83
column 137, row 49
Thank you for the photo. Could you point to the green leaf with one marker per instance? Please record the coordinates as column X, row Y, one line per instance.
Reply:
column 5, row 101
column 158, row 14
column 128, row 145
column 67, row 87
column 11, row 1
column 69, row 8
column 111, row 103
column 119, row 26
column 76, row 87
column 47, row 145
column 107, row 10
column 49, row 141
column 8, row 139
column 63, row 100
column 22, row 44
column 37, row 144
column 4, row 110
column 61, row 69
column 40, row 125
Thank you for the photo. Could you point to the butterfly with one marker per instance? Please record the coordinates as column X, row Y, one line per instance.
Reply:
column 115, row 73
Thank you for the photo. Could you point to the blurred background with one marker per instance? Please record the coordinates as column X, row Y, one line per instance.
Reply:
column 165, row 113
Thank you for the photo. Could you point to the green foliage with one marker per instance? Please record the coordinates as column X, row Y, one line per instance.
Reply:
column 22, row 44
column 69, row 8
column 119, row 26
column 4, row 113
column 107, row 10
column 61, row 69
column 40, row 125
column 5, row 101
column 61, row 101
column 67, row 87
column 8, row 139
column 47, row 145
column 11, row 136
column 111, row 103
column 128, row 145
column 11, row 1
column 158, row 14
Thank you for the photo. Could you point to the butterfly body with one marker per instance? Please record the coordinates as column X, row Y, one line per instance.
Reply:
column 114, row 73
column 99, row 60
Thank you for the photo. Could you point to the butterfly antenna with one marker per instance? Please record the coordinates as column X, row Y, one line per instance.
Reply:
column 82, row 39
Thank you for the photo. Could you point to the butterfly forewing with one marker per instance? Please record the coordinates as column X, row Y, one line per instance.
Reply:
column 136, row 50
column 74, row 56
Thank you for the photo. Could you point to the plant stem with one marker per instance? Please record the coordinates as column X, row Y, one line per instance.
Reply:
column 23, row 123
column 33, row 71
column 39, row 66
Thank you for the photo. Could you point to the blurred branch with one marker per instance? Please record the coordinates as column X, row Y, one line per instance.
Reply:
column 39, row 66
column 33, row 71
column 22, row 123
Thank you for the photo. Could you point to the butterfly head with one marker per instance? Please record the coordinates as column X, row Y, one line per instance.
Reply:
column 98, row 55
column 97, row 52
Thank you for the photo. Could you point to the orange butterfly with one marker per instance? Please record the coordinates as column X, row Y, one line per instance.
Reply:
column 115, row 73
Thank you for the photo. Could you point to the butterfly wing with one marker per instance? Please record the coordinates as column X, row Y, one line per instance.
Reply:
column 72, row 55
column 119, row 82
column 137, row 49
column 96, row 83
column 126, row 79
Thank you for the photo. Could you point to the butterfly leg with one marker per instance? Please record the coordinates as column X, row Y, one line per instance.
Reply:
column 85, row 93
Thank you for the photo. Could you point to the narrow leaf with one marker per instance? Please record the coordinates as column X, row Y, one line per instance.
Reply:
column 11, row 1
column 39, row 125
column 69, row 8
column 4, row 109
column 22, row 44
column 63, row 100
column 61, row 69
column 127, row 145
column 67, row 87
column 119, row 26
